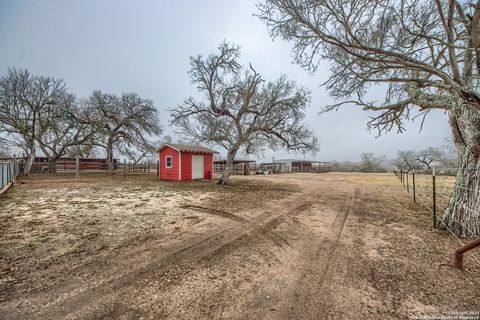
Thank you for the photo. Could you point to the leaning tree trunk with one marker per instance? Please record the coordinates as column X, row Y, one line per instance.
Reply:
column 463, row 213
column 31, row 158
column 228, row 168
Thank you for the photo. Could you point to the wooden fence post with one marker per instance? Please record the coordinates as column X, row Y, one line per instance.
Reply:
column 434, row 200
column 77, row 167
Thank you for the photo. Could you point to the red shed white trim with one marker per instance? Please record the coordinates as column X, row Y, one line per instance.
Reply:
column 185, row 162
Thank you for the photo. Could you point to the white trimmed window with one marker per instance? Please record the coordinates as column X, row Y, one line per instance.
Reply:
column 168, row 162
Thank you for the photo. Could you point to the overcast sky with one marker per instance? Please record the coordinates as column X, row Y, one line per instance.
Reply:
column 144, row 46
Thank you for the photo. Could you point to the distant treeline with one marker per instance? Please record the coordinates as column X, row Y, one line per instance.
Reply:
column 444, row 159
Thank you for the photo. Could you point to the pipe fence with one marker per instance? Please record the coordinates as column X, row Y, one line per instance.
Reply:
column 433, row 192
column 8, row 173
column 76, row 169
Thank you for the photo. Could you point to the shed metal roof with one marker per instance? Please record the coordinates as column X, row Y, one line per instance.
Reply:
column 235, row 161
column 186, row 148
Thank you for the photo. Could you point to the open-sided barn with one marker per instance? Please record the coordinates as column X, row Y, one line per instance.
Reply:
column 185, row 162
column 293, row 165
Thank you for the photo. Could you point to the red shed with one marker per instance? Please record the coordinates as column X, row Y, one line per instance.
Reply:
column 185, row 162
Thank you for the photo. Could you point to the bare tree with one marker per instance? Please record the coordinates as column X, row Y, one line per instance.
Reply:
column 430, row 156
column 450, row 154
column 85, row 150
column 427, row 51
column 371, row 163
column 240, row 111
column 127, row 120
column 5, row 151
column 23, row 99
column 140, row 151
column 63, row 127
column 407, row 161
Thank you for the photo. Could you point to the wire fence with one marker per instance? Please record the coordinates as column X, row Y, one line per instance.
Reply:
column 434, row 193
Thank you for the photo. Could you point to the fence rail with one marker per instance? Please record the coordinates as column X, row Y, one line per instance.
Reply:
column 434, row 197
column 76, row 170
column 243, row 168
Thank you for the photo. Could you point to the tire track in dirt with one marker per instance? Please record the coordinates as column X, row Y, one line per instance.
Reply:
column 197, row 307
column 287, row 213
column 310, row 298
column 265, row 229
column 198, row 248
column 215, row 212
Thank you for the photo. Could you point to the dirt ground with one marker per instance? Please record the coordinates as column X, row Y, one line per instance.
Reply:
column 297, row 246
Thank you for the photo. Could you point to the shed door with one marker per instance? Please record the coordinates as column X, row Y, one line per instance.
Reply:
column 197, row 167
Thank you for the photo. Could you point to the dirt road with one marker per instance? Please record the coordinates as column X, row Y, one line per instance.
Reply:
column 339, row 247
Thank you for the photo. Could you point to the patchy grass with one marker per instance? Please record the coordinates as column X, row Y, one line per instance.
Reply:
column 54, row 219
column 423, row 185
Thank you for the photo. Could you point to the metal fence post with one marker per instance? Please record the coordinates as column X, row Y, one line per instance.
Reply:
column 434, row 200
column 158, row 168
column 8, row 172
column 14, row 177
column 413, row 185
column 2, row 176
column 401, row 175
column 124, row 169
column 408, row 187
column 403, row 180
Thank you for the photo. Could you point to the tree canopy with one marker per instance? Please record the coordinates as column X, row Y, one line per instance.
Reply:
column 24, row 99
column 425, row 51
column 126, row 123
column 239, row 110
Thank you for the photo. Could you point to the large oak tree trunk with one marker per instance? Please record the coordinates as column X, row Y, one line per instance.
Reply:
column 228, row 168
column 463, row 213
column 110, row 164
column 31, row 158
column 52, row 165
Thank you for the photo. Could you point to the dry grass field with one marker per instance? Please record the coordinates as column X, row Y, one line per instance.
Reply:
column 297, row 246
